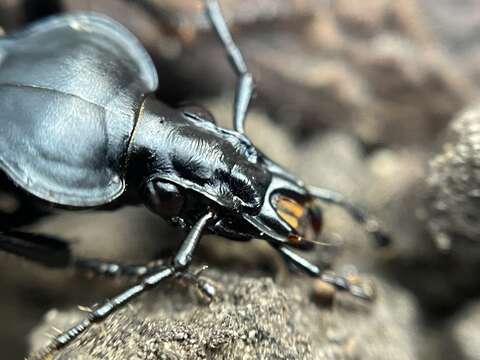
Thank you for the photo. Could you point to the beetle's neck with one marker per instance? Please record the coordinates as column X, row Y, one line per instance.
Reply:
column 149, row 142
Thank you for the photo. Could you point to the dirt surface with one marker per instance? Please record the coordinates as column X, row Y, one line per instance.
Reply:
column 251, row 318
column 376, row 101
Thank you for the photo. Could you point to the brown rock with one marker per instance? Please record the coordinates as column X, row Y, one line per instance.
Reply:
column 444, row 255
column 252, row 318
column 454, row 183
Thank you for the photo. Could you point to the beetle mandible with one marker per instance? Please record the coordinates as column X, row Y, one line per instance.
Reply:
column 80, row 129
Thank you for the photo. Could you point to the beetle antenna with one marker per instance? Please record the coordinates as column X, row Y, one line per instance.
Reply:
column 369, row 223
column 321, row 243
column 299, row 241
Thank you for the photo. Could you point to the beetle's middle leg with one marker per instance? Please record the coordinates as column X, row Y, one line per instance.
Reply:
column 54, row 252
column 245, row 85
column 177, row 267
column 337, row 281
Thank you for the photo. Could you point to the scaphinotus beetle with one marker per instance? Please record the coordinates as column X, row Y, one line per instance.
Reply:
column 80, row 129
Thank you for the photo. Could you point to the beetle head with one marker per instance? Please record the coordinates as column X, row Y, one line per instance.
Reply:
column 256, row 203
column 194, row 166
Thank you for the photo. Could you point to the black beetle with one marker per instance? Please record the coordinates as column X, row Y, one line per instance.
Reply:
column 80, row 129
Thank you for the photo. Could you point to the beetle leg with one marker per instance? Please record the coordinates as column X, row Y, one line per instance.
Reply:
column 245, row 85
column 369, row 223
column 42, row 249
column 337, row 281
column 56, row 253
column 110, row 269
column 177, row 267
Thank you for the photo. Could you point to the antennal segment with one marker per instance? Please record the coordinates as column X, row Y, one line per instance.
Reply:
column 370, row 224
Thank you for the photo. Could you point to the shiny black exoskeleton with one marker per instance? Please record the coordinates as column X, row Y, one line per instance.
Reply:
column 81, row 129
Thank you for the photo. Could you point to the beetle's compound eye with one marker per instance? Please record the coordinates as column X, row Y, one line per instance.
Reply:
column 163, row 198
column 198, row 113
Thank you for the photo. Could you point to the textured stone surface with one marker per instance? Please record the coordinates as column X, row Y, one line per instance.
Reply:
column 454, row 183
column 441, row 259
column 252, row 318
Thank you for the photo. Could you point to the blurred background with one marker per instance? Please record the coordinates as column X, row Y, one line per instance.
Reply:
column 374, row 98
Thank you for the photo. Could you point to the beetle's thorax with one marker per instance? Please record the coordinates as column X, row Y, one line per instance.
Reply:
column 195, row 154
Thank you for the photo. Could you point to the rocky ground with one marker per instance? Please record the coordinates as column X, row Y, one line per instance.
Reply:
column 377, row 101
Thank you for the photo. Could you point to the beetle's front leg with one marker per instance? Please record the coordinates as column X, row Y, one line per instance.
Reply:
column 337, row 281
column 177, row 267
